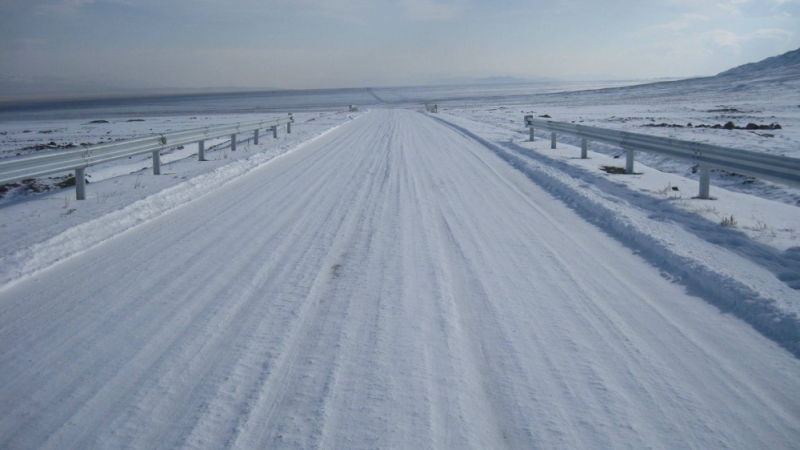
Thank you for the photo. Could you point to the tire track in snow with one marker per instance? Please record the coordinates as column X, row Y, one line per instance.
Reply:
column 393, row 284
column 261, row 426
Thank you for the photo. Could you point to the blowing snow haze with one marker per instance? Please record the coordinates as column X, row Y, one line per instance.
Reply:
column 90, row 47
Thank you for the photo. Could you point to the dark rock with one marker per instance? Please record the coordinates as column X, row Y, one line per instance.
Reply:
column 662, row 125
column 751, row 126
column 729, row 126
column 546, row 116
column 724, row 110
column 99, row 121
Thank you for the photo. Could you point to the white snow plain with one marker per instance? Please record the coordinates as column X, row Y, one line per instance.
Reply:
column 400, row 280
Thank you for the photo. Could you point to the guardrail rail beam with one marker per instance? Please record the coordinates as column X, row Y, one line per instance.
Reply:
column 776, row 168
column 17, row 168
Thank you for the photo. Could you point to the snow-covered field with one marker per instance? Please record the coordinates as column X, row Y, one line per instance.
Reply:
column 668, row 111
column 397, row 279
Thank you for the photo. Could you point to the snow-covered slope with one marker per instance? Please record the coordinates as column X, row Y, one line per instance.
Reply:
column 785, row 66
column 763, row 93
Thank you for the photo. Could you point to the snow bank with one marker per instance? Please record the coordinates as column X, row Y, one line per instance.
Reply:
column 77, row 239
column 718, row 275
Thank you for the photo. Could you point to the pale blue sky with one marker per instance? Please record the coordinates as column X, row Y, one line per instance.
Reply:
column 353, row 43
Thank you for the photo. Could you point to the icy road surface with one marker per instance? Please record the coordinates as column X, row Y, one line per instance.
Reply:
column 393, row 284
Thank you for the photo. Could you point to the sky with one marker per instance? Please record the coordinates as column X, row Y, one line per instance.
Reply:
column 309, row 44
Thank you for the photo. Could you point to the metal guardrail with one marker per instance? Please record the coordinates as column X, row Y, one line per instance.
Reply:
column 781, row 169
column 47, row 163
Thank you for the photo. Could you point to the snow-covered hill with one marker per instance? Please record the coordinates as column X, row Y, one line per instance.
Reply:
column 781, row 67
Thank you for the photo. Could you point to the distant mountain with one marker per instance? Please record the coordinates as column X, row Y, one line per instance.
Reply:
column 463, row 81
column 501, row 80
column 786, row 65
column 14, row 88
column 778, row 76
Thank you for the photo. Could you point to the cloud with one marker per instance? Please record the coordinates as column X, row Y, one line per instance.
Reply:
column 731, row 7
column 686, row 21
column 430, row 10
column 732, row 41
column 63, row 7
column 70, row 7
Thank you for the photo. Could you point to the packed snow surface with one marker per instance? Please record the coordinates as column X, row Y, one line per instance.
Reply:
column 399, row 282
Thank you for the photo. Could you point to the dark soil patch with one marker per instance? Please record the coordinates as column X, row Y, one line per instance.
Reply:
column 4, row 188
column 613, row 170
column 728, row 126
column 49, row 146
column 40, row 185
column 725, row 110
column 662, row 125
column 68, row 182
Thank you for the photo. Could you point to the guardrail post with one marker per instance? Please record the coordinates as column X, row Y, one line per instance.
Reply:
column 629, row 161
column 233, row 142
column 531, row 138
column 705, row 182
column 80, row 184
column 289, row 125
column 156, row 163
column 553, row 140
column 275, row 132
column 255, row 137
column 201, row 151
column 584, row 148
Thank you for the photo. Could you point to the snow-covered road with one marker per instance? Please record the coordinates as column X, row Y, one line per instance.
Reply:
column 393, row 284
